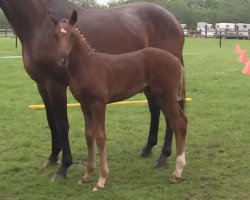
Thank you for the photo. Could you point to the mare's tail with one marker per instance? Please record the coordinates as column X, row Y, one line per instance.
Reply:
column 182, row 90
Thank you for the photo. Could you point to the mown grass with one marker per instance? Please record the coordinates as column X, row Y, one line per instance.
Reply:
column 217, row 145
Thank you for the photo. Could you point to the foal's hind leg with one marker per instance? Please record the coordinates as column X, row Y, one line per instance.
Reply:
column 167, row 146
column 178, row 121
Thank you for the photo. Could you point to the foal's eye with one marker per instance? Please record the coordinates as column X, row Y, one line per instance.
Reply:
column 56, row 35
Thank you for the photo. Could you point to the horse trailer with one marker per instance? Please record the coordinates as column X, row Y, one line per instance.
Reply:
column 242, row 30
column 225, row 30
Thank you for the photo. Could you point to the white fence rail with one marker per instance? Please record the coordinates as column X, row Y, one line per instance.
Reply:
column 6, row 32
column 226, row 34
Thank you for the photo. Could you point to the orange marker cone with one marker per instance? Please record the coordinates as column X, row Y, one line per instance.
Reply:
column 243, row 57
column 246, row 69
column 238, row 49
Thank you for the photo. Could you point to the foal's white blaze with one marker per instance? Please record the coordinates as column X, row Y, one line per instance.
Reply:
column 63, row 31
column 180, row 164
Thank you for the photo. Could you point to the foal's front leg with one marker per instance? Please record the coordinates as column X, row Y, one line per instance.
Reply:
column 98, row 110
column 90, row 140
column 95, row 131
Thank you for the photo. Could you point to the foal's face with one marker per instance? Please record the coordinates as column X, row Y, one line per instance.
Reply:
column 65, row 39
column 64, row 35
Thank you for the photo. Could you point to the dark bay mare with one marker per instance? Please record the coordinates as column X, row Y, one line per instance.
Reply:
column 96, row 79
column 115, row 30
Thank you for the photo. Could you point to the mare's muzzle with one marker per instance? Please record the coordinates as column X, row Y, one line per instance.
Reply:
column 63, row 59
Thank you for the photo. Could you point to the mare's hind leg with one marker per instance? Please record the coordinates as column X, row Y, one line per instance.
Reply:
column 166, row 148
column 154, row 109
column 55, row 139
column 178, row 122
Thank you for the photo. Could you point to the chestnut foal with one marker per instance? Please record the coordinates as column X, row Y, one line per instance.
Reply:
column 97, row 79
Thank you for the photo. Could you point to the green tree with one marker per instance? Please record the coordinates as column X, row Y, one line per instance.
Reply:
column 187, row 11
column 3, row 21
column 88, row 3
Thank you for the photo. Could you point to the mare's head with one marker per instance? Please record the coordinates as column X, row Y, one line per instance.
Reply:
column 65, row 35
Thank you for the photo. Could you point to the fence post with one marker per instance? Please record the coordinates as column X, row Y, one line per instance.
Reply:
column 206, row 31
column 237, row 31
column 220, row 39
column 16, row 41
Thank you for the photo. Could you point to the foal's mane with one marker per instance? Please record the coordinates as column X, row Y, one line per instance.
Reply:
column 77, row 33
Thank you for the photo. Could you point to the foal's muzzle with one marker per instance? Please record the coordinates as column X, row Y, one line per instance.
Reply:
column 63, row 59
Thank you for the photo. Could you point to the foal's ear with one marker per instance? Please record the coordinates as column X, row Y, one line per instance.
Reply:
column 73, row 18
column 55, row 22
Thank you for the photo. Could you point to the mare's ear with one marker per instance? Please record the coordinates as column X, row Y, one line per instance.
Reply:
column 55, row 22
column 73, row 18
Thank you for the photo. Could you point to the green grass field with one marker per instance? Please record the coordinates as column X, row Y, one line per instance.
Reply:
column 218, row 142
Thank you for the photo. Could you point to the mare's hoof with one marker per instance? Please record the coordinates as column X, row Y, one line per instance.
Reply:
column 58, row 178
column 175, row 179
column 145, row 153
column 49, row 163
column 60, row 175
column 161, row 162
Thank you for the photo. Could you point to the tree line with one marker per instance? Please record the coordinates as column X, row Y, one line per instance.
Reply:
column 187, row 11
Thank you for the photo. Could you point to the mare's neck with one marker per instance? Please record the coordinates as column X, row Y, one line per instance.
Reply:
column 28, row 16
column 23, row 15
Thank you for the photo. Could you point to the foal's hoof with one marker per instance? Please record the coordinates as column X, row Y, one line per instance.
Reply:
column 145, row 153
column 175, row 179
column 97, row 188
column 83, row 181
column 161, row 162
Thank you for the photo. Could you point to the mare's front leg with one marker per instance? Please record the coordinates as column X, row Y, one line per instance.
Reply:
column 55, row 138
column 58, row 108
